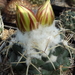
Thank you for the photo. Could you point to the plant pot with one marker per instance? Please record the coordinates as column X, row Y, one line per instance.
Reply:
column 71, row 2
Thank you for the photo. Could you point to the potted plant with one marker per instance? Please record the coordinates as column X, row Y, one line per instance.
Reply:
column 38, row 46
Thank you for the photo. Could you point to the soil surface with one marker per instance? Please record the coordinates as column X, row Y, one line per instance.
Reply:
column 7, row 33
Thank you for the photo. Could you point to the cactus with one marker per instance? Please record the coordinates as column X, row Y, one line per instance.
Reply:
column 67, row 19
column 43, row 65
column 37, row 2
column 1, row 26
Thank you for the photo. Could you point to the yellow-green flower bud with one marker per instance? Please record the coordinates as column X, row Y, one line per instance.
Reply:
column 25, row 19
column 45, row 14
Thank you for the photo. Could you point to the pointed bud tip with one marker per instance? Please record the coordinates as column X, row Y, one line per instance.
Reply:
column 26, row 20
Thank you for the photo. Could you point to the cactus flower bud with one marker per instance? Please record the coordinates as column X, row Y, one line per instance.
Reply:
column 25, row 19
column 45, row 14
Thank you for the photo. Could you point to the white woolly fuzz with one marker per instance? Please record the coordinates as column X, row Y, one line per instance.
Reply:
column 28, row 61
column 65, row 42
column 37, row 43
column 53, row 58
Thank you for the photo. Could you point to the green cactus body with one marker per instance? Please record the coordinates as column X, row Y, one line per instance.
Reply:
column 44, row 66
column 67, row 19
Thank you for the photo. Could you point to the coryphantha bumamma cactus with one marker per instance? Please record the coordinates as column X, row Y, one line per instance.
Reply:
column 67, row 19
column 37, row 2
column 37, row 47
